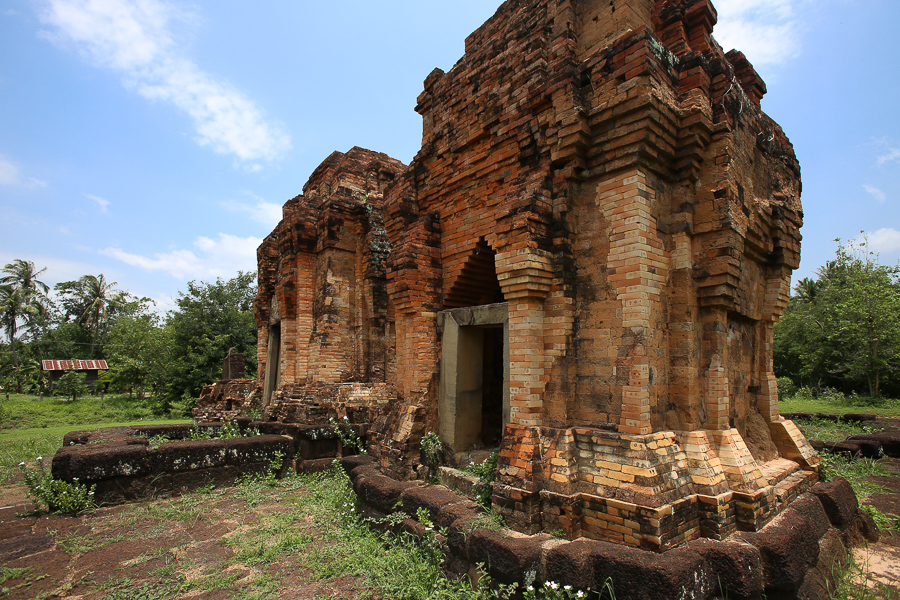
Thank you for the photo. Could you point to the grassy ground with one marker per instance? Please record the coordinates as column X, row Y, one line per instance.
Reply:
column 840, row 405
column 298, row 537
column 29, row 412
column 826, row 430
column 30, row 427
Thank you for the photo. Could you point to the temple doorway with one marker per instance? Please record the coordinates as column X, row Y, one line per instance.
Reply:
column 273, row 366
column 474, row 391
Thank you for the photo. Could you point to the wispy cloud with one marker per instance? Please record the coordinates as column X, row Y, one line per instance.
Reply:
column 875, row 192
column 266, row 213
column 890, row 155
column 11, row 175
column 211, row 258
column 766, row 31
column 133, row 37
column 103, row 203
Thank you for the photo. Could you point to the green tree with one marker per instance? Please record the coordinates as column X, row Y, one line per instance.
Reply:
column 209, row 319
column 22, row 274
column 23, row 300
column 19, row 310
column 72, row 385
column 845, row 329
column 135, row 349
column 92, row 302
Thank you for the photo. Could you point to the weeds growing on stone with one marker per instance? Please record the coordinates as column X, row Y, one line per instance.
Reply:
column 486, row 472
column 348, row 436
column 856, row 471
column 852, row 582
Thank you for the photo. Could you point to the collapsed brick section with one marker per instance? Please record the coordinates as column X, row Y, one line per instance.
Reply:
column 588, row 254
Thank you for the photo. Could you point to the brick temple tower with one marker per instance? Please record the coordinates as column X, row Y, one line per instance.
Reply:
column 583, row 265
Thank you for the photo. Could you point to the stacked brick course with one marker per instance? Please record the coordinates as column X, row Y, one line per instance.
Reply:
column 604, row 169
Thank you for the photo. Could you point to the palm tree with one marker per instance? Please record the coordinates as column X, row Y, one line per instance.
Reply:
column 807, row 289
column 21, row 273
column 100, row 298
column 18, row 305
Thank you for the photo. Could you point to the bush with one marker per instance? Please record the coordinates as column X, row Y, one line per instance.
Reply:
column 432, row 448
column 72, row 384
column 786, row 387
column 486, row 472
column 56, row 495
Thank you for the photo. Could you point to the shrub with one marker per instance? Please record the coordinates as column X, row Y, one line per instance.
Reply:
column 432, row 448
column 72, row 384
column 786, row 387
column 56, row 495
column 486, row 472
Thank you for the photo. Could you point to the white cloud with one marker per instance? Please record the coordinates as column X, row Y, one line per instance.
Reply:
column 11, row 174
column 766, row 31
column 886, row 239
column 58, row 269
column 220, row 257
column 892, row 154
column 133, row 38
column 266, row 213
column 875, row 192
column 103, row 203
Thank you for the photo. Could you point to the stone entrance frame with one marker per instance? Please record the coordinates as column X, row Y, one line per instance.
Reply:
column 460, row 403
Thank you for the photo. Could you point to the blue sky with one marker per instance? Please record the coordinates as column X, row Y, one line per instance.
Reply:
column 156, row 141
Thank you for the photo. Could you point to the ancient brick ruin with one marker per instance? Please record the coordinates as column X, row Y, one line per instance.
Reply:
column 582, row 266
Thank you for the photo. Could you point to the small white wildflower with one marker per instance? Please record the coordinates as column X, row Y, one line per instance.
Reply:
column 580, row 594
column 553, row 585
column 530, row 588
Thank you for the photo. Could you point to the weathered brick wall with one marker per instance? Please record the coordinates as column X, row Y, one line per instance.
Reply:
column 628, row 185
column 643, row 215
column 322, row 279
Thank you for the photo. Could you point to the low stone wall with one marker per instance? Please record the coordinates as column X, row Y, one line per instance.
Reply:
column 124, row 466
column 792, row 557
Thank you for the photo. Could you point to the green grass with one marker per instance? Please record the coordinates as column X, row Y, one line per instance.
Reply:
column 31, row 427
column 825, row 430
column 29, row 412
column 25, row 445
column 840, row 405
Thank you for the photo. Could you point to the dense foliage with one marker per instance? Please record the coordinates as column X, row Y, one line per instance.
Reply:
column 842, row 329
column 169, row 357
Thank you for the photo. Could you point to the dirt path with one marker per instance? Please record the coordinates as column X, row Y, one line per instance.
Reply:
column 881, row 561
column 227, row 543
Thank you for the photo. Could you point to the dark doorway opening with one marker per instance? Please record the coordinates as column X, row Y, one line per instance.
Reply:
column 273, row 360
column 492, row 387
